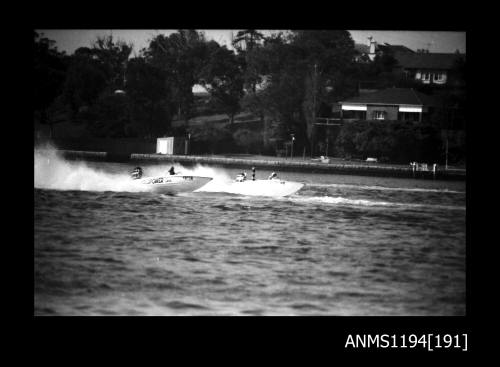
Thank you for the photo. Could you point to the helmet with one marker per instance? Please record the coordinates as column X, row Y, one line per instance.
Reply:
column 137, row 173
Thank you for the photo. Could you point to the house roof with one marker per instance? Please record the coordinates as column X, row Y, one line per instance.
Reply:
column 427, row 60
column 394, row 96
column 395, row 49
column 361, row 48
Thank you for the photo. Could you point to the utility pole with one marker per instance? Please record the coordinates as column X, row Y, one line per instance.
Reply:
column 186, row 142
column 293, row 138
column 446, row 163
column 314, row 109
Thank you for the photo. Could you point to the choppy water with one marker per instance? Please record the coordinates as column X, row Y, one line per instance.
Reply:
column 343, row 245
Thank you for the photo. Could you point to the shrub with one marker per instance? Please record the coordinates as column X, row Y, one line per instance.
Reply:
column 249, row 141
column 210, row 138
column 397, row 141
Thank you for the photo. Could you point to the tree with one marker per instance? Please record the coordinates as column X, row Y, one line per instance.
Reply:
column 248, row 139
column 113, row 56
column 181, row 56
column 282, row 95
column 384, row 63
column 247, row 44
column 49, row 73
column 149, row 94
column 247, row 39
column 112, row 116
column 326, row 55
column 222, row 76
column 214, row 138
column 85, row 81
column 97, row 70
column 398, row 141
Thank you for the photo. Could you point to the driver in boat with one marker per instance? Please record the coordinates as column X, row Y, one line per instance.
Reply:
column 241, row 177
column 171, row 170
column 273, row 176
column 137, row 173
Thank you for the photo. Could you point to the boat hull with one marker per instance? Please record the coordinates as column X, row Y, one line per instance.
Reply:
column 273, row 188
column 175, row 184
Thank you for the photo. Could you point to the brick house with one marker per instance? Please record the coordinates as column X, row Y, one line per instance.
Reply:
column 403, row 104
column 428, row 68
column 425, row 67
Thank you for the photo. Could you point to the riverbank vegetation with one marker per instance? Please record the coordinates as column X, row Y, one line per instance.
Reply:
column 266, row 89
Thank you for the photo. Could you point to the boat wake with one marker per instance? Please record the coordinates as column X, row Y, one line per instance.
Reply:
column 384, row 188
column 367, row 203
column 52, row 171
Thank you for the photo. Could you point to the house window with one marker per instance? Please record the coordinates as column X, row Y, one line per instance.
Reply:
column 438, row 77
column 409, row 116
column 354, row 115
column 379, row 115
column 426, row 76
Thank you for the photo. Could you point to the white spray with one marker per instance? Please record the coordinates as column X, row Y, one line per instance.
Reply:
column 52, row 171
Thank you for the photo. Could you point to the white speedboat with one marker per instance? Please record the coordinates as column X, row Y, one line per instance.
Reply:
column 174, row 184
column 274, row 188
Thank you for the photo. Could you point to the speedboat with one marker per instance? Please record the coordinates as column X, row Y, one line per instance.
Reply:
column 273, row 188
column 174, row 184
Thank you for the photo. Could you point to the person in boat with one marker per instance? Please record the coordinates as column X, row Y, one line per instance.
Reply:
column 137, row 173
column 241, row 177
column 273, row 176
column 171, row 170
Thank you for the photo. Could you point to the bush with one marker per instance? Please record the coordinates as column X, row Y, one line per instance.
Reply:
column 249, row 141
column 210, row 138
column 397, row 141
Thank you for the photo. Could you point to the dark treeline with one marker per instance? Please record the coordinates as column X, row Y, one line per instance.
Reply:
column 285, row 80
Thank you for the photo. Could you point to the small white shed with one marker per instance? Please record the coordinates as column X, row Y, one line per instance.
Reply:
column 165, row 145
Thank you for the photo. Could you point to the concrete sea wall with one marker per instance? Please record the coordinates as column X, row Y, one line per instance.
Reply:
column 277, row 165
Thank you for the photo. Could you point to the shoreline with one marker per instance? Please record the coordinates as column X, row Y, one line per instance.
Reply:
column 276, row 163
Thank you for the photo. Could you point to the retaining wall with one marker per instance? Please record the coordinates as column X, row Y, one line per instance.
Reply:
column 277, row 165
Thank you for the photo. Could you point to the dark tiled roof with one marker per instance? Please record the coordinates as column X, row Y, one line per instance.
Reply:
column 361, row 48
column 427, row 60
column 395, row 49
column 394, row 96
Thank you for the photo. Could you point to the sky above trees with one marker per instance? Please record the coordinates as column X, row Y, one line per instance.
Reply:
column 435, row 41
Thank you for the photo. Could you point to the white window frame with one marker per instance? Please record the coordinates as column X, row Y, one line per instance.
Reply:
column 352, row 107
column 379, row 115
column 410, row 109
column 438, row 77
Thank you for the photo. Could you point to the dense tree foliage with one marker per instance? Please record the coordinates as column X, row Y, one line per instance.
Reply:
column 49, row 73
column 247, row 43
column 181, row 56
column 149, row 95
column 222, row 77
column 250, row 141
column 85, row 80
column 285, row 79
column 390, row 140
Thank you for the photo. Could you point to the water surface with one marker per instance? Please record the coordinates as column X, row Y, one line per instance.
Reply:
column 343, row 245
